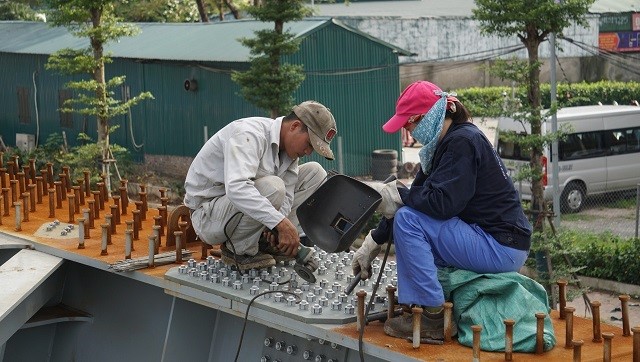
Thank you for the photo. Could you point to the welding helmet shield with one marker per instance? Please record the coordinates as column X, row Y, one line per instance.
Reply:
column 335, row 214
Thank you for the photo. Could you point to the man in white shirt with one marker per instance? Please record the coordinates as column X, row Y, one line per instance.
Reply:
column 246, row 178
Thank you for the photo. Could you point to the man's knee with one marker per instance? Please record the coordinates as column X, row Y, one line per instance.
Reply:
column 272, row 187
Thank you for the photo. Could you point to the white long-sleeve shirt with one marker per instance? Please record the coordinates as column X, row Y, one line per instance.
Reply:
column 232, row 159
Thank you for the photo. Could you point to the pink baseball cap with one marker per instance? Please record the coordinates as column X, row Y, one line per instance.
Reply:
column 417, row 98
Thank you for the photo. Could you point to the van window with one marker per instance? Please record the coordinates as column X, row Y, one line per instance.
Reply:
column 582, row 145
column 512, row 151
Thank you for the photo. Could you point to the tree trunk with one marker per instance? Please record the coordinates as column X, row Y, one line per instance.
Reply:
column 233, row 9
column 202, row 10
column 101, row 94
column 533, row 93
column 275, row 62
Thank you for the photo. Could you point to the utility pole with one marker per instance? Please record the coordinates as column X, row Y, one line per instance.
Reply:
column 554, row 128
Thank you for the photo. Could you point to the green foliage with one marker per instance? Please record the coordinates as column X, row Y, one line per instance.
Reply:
column 489, row 101
column 603, row 256
column 158, row 11
column 11, row 10
column 269, row 84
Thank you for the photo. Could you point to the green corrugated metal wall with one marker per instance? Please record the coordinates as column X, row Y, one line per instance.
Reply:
column 174, row 123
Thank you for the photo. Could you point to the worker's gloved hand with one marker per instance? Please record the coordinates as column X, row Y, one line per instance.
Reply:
column 305, row 257
column 391, row 200
column 364, row 256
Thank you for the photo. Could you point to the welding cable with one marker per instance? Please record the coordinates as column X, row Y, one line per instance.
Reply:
column 373, row 294
column 246, row 315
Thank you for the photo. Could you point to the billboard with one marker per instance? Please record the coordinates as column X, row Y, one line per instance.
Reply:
column 621, row 41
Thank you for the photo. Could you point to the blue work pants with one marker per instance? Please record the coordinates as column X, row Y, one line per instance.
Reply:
column 423, row 244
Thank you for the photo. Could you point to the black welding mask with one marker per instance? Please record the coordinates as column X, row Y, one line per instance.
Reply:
column 334, row 216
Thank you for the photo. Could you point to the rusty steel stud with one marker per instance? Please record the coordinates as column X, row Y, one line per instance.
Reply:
column 58, row 188
column 115, row 216
column 595, row 311
column 18, row 211
column 1, row 203
column 568, row 316
column 39, row 189
column 91, row 206
column 105, row 239
column 136, row 224
column 63, row 186
column 626, row 328
column 76, row 193
column 128, row 243
column 562, row 294
column 577, row 350
column 416, row 313
column 118, row 203
column 391, row 299
column 25, row 207
column 124, row 200
column 448, row 321
column 540, row 332
column 14, row 190
column 140, row 208
column 81, row 230
column 21, row 183
column 52, row 208
column 508, row 339
column 80, row 194
column 87, row 183
column 476, row 342
column 606, row 351
column 72, row 207
column 361, row 294
column 178, row 238
column 156, row 234
column 152, row 244
column 50, row 175
column 32, row 197
column 636, row 343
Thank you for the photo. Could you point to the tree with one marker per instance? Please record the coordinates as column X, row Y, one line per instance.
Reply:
column 93, row 19
column 14, row 10
column 531, row 21
column 269, row 84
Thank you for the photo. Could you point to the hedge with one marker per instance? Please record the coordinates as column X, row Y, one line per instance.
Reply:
column 487, row 102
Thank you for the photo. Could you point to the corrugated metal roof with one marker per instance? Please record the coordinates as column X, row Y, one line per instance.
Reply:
column 210, row 42
column 431, row 8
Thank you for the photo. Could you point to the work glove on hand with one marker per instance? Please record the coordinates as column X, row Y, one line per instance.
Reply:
column 391, row 200
column 364, row 256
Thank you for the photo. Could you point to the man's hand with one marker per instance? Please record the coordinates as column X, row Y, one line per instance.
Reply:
column 391, row 200
column 364, row 256
column 288, row 238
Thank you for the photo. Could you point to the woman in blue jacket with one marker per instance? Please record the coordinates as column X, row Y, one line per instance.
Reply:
column 461, row 210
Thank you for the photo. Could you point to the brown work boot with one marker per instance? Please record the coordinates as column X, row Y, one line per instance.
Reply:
column 246, row 262
column 431, row 326
column 265, row 247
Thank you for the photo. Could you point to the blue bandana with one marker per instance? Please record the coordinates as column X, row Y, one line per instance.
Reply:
column 428, row 131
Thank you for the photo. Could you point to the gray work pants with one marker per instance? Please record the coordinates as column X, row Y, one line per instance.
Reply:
column 218, row 220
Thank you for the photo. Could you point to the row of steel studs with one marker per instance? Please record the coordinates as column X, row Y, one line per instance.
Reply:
column 566, row 313
column 26, row 186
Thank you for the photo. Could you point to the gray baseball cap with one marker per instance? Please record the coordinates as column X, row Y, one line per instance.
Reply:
column 321, row 125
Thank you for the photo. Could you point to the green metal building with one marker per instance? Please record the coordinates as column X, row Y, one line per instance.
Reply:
column 355, row 75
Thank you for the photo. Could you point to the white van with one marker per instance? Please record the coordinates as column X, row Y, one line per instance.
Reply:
column 601, row 153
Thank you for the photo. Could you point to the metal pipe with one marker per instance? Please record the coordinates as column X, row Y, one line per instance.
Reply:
column 72, row 205
column 108, row 219
column 178, row 238
column 39, row 189
column 32, row 197
column 91, row 206
column 87, row 183
column 25, row 207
